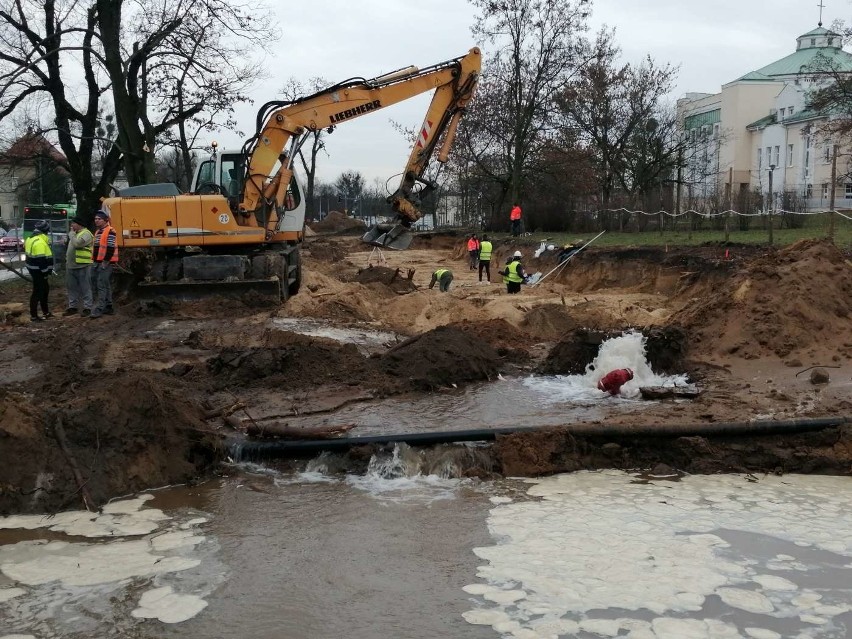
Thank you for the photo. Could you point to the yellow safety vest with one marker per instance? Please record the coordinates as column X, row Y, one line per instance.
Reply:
column 37, row 246
column 485, row 249
column 83, row 255
column 440, row 273
column 513, row 272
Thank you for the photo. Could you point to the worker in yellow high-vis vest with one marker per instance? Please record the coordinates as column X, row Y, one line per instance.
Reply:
column 443, row 277
column 40, row 265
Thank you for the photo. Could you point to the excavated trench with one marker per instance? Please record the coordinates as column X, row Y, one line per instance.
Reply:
column 158, row 397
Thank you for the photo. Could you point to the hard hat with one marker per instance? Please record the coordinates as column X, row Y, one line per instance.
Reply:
column 43, row 226
column 517, row 254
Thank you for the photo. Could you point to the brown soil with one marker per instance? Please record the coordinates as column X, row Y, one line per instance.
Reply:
column 133, row 392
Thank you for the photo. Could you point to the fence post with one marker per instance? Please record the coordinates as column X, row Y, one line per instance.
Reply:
column 831, row 213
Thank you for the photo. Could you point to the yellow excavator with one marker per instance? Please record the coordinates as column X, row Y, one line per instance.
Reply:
column 241, row 226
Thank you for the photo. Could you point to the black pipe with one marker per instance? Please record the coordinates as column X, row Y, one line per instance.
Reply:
column 253, row 449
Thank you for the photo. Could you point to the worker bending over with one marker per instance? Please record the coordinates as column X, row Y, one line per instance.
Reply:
column 443, row 276
column 613, row 381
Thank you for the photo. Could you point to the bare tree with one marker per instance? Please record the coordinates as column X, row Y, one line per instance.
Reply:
column 167, row 65
column 616, row 111
column 349, row 187
column 42, row 46
column 185, row 63
column 293, row 90
column 535, row 48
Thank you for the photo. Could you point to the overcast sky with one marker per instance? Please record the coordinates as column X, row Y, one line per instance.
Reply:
column 712, row 43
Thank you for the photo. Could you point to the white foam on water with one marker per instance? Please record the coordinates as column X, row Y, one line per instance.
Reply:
column 88, row 573
column 624, row 351
column 168, row 606
column 118, row 519
column 18, row 637
column 594, row 542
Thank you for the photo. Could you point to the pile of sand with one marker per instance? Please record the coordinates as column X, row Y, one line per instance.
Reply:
column 794, row 301
column 336, row 222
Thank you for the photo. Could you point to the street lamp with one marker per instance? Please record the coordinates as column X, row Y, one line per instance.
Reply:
column 771, row 171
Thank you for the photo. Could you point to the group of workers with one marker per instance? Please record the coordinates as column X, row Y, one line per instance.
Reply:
column 89, row 261
column 513, row 273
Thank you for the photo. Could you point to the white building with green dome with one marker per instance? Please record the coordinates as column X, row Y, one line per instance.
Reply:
column 759, row 123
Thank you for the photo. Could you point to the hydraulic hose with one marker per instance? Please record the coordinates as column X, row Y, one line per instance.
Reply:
column 253, row 449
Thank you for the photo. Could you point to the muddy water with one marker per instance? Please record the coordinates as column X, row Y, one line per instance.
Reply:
column 261, row 554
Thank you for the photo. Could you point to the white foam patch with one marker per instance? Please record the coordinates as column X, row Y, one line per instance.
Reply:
column 18, row 637
column 118, row 519
column 37, row 563
column 762, row 633
column 10, row 593
column 168, row 606
column 595, row 541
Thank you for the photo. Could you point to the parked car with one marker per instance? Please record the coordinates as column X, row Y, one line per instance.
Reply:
column 13, row 241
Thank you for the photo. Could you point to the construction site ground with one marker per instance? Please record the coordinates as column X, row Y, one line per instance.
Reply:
column 92, row 409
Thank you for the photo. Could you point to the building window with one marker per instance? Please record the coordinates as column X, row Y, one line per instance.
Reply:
column 826, row 153
column 809, row 191
column 759, row 159
column 777, row 156
column 715, row 131
column 789, row 155
column 848, row 195
column 790, row 110
column 830, row 41
column 825, row 190
column 813, row 42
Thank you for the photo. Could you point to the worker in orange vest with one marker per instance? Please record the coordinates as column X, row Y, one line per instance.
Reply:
column 473, row 251
column 613, row 381
column 105, row 256
column 515, row 217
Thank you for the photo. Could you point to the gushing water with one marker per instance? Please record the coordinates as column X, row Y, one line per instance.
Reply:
column 625, row 351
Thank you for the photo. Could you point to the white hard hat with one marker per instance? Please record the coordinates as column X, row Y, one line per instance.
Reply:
column 517, row 254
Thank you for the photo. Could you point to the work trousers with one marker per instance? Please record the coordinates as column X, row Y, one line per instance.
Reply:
column 444, row 282
column 487, row 267
column 41, row 289
column 103, row 285
column 516, row 228
column 513, row 287
column 78, row 283
column 474, row 256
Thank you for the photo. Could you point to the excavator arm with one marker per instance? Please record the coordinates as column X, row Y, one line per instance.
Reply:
column 284, row 126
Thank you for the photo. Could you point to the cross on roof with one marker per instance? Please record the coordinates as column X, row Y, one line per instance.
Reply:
column 821, row 7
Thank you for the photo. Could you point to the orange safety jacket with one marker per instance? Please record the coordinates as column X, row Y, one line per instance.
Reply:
column 104, row 239
column 516, row 213
column 473, row 244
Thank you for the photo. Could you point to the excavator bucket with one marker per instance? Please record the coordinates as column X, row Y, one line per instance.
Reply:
column 392, row 236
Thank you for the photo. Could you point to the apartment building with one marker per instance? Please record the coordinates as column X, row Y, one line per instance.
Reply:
column 760, row 124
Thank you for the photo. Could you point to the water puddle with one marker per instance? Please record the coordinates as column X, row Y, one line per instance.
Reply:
column 365, row 337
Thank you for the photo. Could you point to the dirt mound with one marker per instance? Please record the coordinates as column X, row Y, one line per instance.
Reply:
column 394, row 278
column 126, row 433
column 324, row 251
column 548, row 322
column 793, row 300
column 507, row 340
column 442, row 357
column 291, row 361
column 336, row 222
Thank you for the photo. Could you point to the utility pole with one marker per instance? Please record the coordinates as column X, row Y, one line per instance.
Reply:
column 831, row 197
column 730, row 204
column 771, row 205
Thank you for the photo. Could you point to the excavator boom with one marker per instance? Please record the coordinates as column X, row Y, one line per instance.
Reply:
column 454, row 83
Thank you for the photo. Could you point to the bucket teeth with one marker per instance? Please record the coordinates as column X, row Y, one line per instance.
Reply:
column 396, row 237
